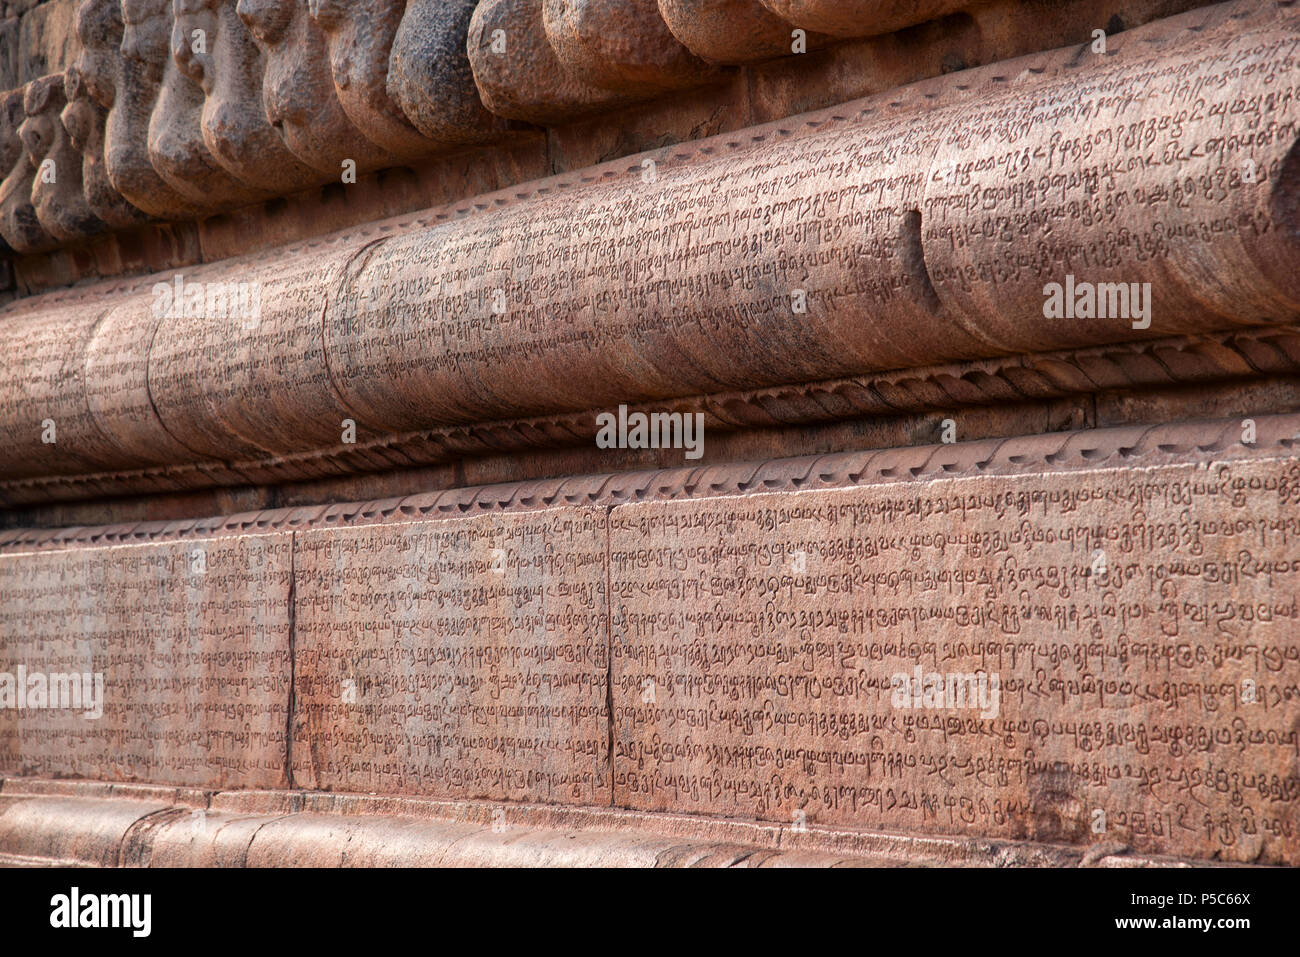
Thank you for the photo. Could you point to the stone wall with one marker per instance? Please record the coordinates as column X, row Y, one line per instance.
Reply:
column 650, row 432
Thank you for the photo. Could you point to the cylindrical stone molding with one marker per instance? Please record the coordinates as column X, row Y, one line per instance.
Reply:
column 1076, row 201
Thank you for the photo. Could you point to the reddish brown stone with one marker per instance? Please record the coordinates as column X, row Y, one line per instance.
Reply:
column 19, row 224
column 176, row 146
column 298, row 90
column 516, row 71
column 461, row 658
column 430, row 77
column 191, row 643
column 126, row 86
column 621, row 45
column 84, row 120
column 861, row 18
column 733, row 31
column 360, row 39
column 228, row 67
column 1140, row 654
column 58, row 194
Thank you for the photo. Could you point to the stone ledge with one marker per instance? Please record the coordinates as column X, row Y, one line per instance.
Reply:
column 1205, row 442
column 499, row 646
column 47, row 823
column 450, row 322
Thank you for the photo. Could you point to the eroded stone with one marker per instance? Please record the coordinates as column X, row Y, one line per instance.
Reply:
column 84, row 120
column 461, row 658
column 734, row 31
column 1116, row 649
column 19, row 224
column 621, row 45
column 176, row 146
column 516, row 71
column 188, row 642
column 430, row 77
column 58, row 195
column 298, row 89
column 227, row 66
column 861, row 18
column 127, row 86
column 360, row 40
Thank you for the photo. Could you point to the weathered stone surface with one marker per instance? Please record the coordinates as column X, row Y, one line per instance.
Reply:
column 990, row 31
column 70, row 831
column 525, row 81
column 908, row 267
column 732, row 31
column 286, row 291
column 228, row 68
column 861, row 18
column 84, row 120
column 298, row 89
column 621, row 45
column 176, row 146
column 58, row 194
column 191, row 642
column 19, row 224
column 127, row 86
column 47, row 41
column 360, row 40
column 45, row 823
column 458, row 658
column 9, row 73
column 1141, row 624
column 430, row 78
column 621, row 289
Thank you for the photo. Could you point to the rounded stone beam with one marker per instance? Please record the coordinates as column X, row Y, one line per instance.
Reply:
column 862, row 18
column 516, row 70
column 1060, row 202
column 621, row 45
column 734, row 31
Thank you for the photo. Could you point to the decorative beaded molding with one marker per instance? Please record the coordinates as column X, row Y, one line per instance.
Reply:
column 1179, row 361
column 1204, row 442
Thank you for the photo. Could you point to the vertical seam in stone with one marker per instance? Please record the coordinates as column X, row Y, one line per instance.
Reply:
column 293, row 626
column 148, row 391
column 357, row 261
column 609, row 649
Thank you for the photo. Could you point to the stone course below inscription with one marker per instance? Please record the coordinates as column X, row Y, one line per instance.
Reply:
column 1136, row 628
column 191, row 641
column 461, row 658
column 1140, row 630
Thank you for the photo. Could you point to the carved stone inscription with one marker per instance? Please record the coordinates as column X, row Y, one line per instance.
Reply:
column 458, row 658
column 164, row 663
column 1082, row 658
column 900, row 237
